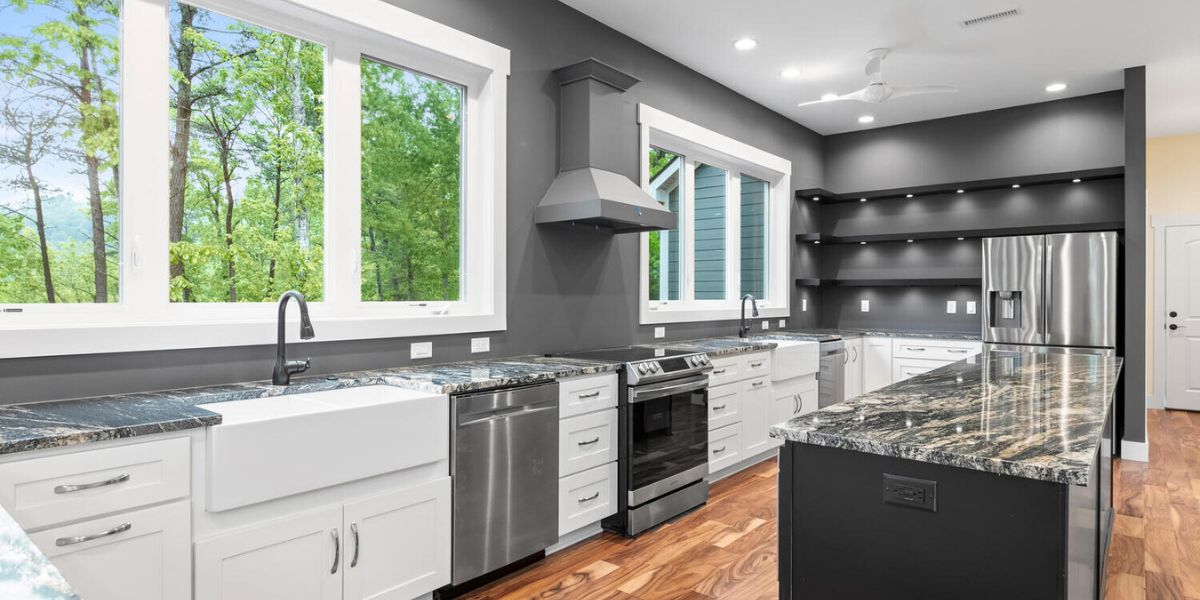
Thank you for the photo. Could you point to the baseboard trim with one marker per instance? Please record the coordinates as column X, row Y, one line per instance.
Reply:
column 579, row 535
column 1135, row 451
column 742, row 466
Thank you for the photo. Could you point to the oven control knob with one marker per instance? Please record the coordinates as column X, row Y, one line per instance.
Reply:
column 653, row 367
column 704, row 359
column 643, row 369
column 695, row 360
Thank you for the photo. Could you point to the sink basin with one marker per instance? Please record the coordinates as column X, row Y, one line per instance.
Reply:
column 793, row 358
column 268, row 448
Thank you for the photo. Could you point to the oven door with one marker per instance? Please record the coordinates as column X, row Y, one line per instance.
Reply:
column 668, row 436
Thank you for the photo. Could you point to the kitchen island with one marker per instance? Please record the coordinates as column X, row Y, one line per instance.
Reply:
column 987, row 478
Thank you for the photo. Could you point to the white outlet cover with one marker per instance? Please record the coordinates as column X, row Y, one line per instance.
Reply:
column 420, row 350
column 766, row 324
column 483, row 344
column 804, row 304
column 660, row 332
column 864, row 305
column 970, row 307
column 782, row 323
column 951, row 307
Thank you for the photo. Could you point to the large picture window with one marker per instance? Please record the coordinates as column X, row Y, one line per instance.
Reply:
column 170, row 167
column 732, row 201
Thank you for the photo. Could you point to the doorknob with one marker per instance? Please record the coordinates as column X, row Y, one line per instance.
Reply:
column 1172, row 327
column 1174, row 314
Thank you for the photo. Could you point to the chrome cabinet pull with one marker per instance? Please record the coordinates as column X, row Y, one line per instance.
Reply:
column 594, row 394
column 590, row 442
column 910, row 348
column 337, row 551
column 957, row 350
column 718, row 450
column 758, row 384
column 799, row 403
column 720, row 372
column 756, row 365
column 75, row 487
column 721, row 407
column 79, row 539
column 589, row 498
column 354, row 532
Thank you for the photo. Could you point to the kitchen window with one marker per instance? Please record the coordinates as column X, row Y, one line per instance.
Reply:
column 733, row 206
column 342, row 149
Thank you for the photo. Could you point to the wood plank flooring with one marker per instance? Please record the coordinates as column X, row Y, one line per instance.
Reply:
column 727, row 549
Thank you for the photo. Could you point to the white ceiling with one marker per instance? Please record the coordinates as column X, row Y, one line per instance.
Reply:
column 1084, row 43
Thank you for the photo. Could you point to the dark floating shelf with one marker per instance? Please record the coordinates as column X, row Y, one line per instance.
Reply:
column 809, row 237
column 940, row 281
column 808, row 282
column 970, row 234
column 826, row 196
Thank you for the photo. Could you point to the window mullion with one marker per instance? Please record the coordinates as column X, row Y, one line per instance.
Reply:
column 343, row 173
column 687, row 243
column 733, row 238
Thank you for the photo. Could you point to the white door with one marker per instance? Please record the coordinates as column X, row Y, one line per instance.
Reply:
column 138, row 555
column 756, row 416
column 1182, row 269
column 300, row 557
column 877, row 363
column 854, row 368
column 398, row 543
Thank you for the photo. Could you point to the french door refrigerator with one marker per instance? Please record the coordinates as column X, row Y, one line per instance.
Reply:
column 1051, row 290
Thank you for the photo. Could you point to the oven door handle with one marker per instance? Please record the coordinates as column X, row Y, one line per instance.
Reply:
column 636, row 396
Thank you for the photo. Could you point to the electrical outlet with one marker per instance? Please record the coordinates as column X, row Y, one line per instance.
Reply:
column 951, row 307
column 970, row 307
column 483, row 344
column 766, row 324
column 864, row 305
column 782, row 323
column 660, row 332
column 911, row 492
column 804, row 305
column 420, row 350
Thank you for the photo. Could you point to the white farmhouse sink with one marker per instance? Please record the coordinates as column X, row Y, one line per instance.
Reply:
column 793, row 358
column 269, row 448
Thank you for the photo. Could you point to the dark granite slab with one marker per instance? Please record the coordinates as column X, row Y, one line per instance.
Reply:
column 718, row 346
column 1026, row 414
column 899, row 333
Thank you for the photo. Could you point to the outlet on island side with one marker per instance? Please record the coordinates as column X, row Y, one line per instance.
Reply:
column 909, row 491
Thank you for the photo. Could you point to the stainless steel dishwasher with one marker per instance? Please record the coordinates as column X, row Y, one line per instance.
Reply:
column 505, row 468
column 831, row 379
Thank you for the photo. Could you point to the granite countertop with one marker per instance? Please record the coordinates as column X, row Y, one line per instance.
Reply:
column 900, row 333
column 1024, row 414
column 718, row 346
column 26, row 573
column 41, row 425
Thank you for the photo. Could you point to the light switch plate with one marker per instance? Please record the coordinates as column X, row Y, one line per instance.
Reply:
column 804, row 304
column 660, row 332
column 766, row 324
column 951, row 307
column 421, row 350
column 782, row 323
column 483, row 344
column 970, row 307
column 864, row 305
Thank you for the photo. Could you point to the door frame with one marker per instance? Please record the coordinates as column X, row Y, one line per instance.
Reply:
column 1161, row 223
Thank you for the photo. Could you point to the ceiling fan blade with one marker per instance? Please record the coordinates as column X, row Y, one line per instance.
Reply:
column 874, row 68
column 859, row 95
column 917, row 90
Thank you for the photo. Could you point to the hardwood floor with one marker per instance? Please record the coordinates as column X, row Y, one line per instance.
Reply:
column 728, row 548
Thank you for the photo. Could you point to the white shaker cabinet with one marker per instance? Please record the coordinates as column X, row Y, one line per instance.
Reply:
column 876, row 363
column 854, row 368
column 756, row 416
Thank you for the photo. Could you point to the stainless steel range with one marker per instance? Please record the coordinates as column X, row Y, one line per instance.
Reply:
column 663, row 434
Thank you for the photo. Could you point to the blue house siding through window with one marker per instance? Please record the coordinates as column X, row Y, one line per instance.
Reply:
column 710, row 233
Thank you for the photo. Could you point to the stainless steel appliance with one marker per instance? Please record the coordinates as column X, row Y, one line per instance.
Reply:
column 505, row 468
column 663, row 434
column 831, row 378
column 1051, row 290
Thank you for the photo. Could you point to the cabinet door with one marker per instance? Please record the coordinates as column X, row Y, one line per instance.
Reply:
column 756, row 416
column 397, row 545
column 854, row 368
column 877, row 363
column 294, row 558
column 138, row 555
column 904, row 368
column 724, row 405
column 793, row 398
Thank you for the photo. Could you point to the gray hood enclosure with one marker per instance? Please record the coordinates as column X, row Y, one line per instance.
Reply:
column 588, row 190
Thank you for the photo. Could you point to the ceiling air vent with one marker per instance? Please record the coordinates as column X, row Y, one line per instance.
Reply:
column 992, row 18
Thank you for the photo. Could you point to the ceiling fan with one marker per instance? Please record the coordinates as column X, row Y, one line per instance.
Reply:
column 877, row 91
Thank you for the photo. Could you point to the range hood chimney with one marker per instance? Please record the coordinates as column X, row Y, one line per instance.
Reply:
column 588, row 190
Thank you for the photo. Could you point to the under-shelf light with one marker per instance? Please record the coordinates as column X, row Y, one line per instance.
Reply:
column 908, row 195
column 959, row 191
column 1076, row 180
column 1016, row 185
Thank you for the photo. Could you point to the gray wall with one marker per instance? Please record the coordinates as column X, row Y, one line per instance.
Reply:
column 566, row 290
column 1050, row 137
column 1134, row 379
column 915, row 308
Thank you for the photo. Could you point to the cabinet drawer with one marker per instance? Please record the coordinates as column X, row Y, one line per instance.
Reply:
column 755, row 365
column 724, row 447
column 587, row 441
column 724, row 406
column 587, row 497
column 41, row 492
column 581, row 395
column 951, row 350
column 139, row 555
column 725, row 370
column 904, row 368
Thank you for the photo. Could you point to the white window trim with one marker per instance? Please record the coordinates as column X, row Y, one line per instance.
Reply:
column 699, row 144
column 145, row 319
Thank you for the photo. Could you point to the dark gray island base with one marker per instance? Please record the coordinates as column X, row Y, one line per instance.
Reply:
column 988, row 478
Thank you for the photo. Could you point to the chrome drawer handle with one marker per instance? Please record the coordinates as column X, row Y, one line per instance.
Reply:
column 914, row 349
column 758, row 383
column 719, row 372
column 590, row 442
column 354, row 532
column 591, row 395
column 71, row 541
column 756, row 365
column 75, row 487
column 957, row 350
column 589, row 498
column 337, row 551
column 721, row 407
column 718, row 450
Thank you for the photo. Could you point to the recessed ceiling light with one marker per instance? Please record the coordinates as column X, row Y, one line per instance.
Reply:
column 908, row 195
column 1016, row 185
column 745, row 44
column 1056, row 87
column 828, row 97
column 959, row 191
column 862, row 199
column 790, row 73
column 1076, row 180
column 865, row 119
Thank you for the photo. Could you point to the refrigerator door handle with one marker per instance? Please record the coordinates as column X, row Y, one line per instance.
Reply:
column 1048, row 287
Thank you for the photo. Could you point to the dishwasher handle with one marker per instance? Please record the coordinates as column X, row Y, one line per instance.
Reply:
column 506, row 413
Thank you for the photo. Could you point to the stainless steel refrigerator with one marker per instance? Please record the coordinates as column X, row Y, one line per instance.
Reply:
column 1051, row 290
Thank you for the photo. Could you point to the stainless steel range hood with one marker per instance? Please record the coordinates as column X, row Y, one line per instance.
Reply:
column 589, row 191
